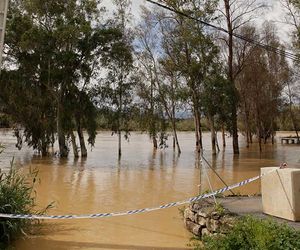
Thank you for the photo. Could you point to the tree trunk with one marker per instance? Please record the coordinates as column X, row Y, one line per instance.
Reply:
column 154, row 140
column 259, row 138
column 250, row 136
column 119, row 144
column 81, row 139
column 223, row 136
column 175, row 135
column 235, row 140
column 44, row 148
column 74, row 145
column 63, row 149
column 213, row 134
column 199, row 130
column 197, row 133
column 235, row 135
column 174, row 143
column 273, row 137
column 217, row 142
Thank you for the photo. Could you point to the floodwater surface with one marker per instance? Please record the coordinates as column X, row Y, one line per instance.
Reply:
column 142, row 178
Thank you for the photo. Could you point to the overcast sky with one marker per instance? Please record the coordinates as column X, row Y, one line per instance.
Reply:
column 274, row 14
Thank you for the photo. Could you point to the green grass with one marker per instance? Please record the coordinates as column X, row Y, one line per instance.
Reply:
column 16, row 197
column 255, row 234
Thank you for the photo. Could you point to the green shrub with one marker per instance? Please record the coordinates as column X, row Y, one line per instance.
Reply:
column 255, row 234
column 16, row 197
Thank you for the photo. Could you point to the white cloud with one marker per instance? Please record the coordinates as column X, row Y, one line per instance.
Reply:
column 275, row 14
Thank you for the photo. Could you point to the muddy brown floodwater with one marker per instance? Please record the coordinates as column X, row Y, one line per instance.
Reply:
column 141, row 179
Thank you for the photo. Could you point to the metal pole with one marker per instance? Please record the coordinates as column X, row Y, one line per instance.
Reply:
column 3, row 15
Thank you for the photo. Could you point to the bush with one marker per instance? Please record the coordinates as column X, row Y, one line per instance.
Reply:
column 255, row 234
column 16, row 197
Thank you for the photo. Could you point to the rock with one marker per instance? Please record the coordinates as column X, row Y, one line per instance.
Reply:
column 196, row 230
column 195, row 207
column 188, row 214
column 205, row 231
column 201, row 220
column 208, row 224
column 215, row 225
column 215, row 215
column 192, row 227
column 202, row 214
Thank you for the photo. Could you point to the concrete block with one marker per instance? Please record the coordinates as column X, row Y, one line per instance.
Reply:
column 281, row 193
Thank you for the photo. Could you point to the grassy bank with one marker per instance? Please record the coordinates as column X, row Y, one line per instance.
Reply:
column 16, row 197
column 252, row 233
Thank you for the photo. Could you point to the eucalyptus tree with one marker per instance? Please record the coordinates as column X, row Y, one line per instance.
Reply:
column 164, row 80
column 235, row 14
column 263, row 78
column 243, row 50
column 147, row 52
column 216, row 97
column 116, row 88
column 54, row 48
column 189, row 47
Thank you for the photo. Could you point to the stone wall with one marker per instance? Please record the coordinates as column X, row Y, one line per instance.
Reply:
column 205, row 218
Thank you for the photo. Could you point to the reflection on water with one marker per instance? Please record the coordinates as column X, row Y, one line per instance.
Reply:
column 142, row 178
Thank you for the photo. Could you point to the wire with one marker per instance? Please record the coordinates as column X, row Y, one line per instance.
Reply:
column 210, row 166
column 270, row 48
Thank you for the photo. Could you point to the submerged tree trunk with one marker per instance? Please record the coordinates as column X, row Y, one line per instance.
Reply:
column 74, row 145
column 44, row 148
column 235, row 135
column 63, row 149
column 250, row 136
column 248, row 133
column 198, row 131
column 154, row 140
column 213, row 134
column 217, row 142
column 81, row 138
column 259, row 138
column 223, row 136
column 175, row 135
column 119, row 144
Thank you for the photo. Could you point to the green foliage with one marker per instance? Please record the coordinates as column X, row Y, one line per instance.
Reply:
column 54, row 49
column 16, row 197
column 219, row 209
column 256, row 234
column 117, row 88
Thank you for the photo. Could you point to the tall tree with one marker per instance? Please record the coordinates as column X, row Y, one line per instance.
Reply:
column 117, row 88
column 147, row 49
column 261, row 84
column 188, row 45
column 236, row 13
column 292, row 18
column 54, row 46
